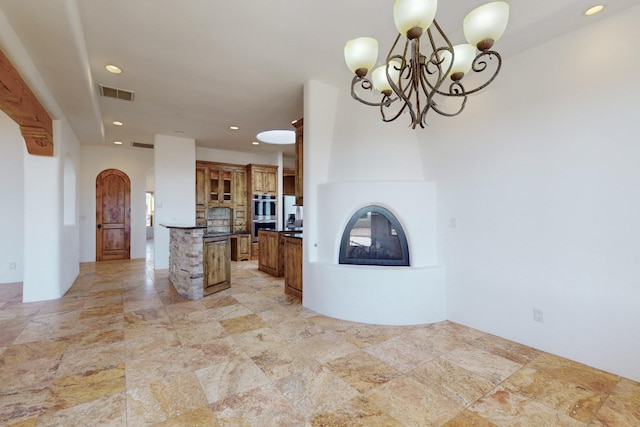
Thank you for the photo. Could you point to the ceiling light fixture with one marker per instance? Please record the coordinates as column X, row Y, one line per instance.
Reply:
column 234, row 127
column 255, row 143
column 113, row 69
column 117, row 142
column 277, row 137
column 118, row 123
column 593, row 10
column 410, row 80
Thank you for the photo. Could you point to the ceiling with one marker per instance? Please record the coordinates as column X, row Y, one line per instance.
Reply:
column 199, row 66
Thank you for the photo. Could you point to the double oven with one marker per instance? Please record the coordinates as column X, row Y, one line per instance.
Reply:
column 265, row 213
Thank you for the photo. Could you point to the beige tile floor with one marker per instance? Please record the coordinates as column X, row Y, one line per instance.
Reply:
column 121, row 348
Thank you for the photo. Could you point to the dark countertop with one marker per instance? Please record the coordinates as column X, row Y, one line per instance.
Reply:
column 184, row 226
column 222, row 234
column 293, row 235
column 292, row 231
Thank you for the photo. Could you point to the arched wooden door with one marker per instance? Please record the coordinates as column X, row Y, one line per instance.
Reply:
column 113, row 215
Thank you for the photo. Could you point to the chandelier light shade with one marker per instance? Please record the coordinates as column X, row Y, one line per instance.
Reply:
column 463, row 55
column 361, row 54
column 411, row 14
column 487, row 22
column 412, row 79
column 379, row 76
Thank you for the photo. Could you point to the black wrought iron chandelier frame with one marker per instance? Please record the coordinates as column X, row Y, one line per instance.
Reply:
column 421, row 78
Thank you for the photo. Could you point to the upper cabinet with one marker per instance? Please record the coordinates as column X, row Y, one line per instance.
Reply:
column 298, row 124
column 220, row 186
column 288, row 181
column 263, row 178
column 202, row 187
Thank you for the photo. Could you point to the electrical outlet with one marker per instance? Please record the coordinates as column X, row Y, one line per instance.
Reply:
column 538, row 315
column 12, row 266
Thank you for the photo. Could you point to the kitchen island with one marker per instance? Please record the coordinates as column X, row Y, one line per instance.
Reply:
column 199, row 262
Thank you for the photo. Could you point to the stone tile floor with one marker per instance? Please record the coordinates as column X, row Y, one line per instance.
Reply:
column 121, row 348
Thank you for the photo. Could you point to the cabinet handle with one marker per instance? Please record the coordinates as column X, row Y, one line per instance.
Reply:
column 99, row 225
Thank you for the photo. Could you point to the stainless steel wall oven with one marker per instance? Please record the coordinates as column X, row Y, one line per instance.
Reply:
column 264, row 213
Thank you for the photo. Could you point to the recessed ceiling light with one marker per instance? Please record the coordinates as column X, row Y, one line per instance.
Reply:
column 113, row 69
column 277, row 137
column 117, row 142
column 255, row 143
column 593, row 10
column 117, row 123
column 234, row 127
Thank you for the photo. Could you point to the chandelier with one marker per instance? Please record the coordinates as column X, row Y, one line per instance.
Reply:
column 411, row 80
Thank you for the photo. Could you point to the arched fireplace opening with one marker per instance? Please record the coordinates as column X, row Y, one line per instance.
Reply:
column 374, row 236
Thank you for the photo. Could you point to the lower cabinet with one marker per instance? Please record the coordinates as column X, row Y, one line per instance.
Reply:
column 241, row 247
column 292, row 249
column 270, row 258
column 216, row 264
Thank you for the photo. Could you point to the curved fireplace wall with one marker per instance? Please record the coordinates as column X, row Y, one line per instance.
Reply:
column 389, row 295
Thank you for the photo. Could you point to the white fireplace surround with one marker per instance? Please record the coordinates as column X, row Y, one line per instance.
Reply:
column 387, row 295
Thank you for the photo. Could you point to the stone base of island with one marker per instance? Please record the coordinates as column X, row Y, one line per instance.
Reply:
column 199, row 263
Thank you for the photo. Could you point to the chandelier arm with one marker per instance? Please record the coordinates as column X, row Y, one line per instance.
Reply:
column 428, row 89
column 444, row 113
column 436, row 51
column 479, row 65
column 368, row 86
column 455, row 87
column 417, row 60
column 436, row 60
column 402, row 92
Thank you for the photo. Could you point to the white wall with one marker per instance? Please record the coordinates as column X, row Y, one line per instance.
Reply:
column 12, row 147
column 235, row 157
column 51, row 262
column 69, row 246
column 149, row 189
column 175, row 196
column 50, row 233
column 541, row 173
column 135, row 162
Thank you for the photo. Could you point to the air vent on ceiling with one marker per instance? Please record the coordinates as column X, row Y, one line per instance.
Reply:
column 112, row 92
column 141, row 145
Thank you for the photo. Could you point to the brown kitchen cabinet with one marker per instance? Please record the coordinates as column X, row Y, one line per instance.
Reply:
column 288, row 181
column 271, row 256
column 216, row 264
column 240, row 200
column 263, row 178
column 202, row 187
column 241, row 247
column 220, row 186
column 292, row 248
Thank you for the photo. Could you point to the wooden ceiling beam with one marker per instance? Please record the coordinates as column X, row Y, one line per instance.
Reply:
column 19, row 103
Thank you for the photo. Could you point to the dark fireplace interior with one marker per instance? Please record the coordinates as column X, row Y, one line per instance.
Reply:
column 374, row 236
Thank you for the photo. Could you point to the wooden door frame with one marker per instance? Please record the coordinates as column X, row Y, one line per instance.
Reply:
column 99, row 217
